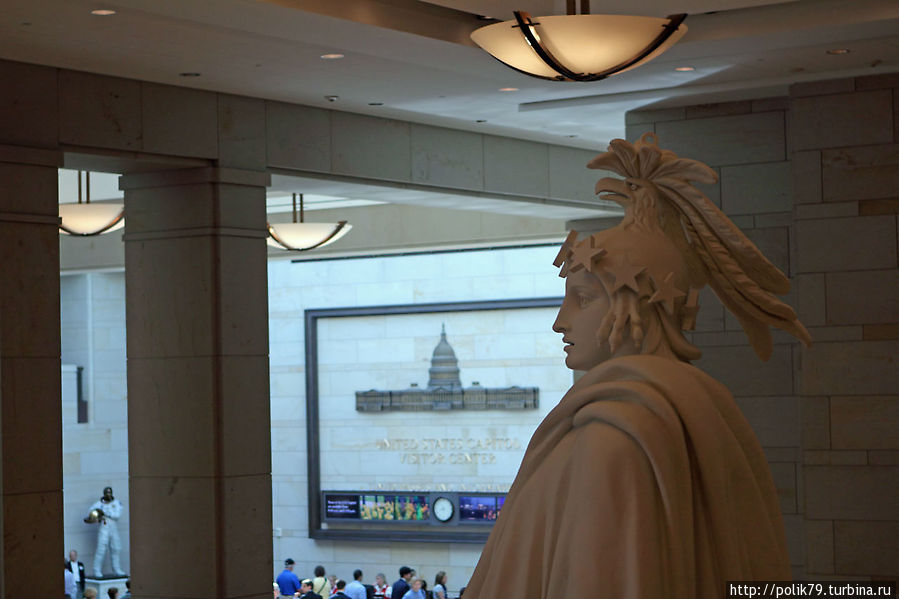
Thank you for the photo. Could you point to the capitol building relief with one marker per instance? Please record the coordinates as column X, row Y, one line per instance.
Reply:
column 445, row 392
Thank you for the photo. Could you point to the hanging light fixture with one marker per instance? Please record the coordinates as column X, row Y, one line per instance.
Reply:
column 300, row 236
column 578, row 47
column 85, row 219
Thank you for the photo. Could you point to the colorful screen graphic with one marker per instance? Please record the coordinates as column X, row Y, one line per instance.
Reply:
column 480, row 508
column 403, row 508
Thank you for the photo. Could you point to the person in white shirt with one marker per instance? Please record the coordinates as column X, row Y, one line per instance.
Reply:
column 70, row 583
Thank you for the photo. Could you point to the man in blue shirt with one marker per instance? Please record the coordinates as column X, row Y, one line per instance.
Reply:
column 356, row 590
column 288, row 582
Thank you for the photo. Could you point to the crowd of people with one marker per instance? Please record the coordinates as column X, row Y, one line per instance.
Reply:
column 288, row 584
column 321, row 586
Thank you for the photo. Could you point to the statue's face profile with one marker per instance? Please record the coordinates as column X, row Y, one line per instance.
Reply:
column 582, row 311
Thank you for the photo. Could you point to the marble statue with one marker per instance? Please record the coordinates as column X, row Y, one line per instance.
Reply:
column 646, row 481
column 106, row 512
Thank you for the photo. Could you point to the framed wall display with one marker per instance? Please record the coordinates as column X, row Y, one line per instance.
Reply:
column 418, row 415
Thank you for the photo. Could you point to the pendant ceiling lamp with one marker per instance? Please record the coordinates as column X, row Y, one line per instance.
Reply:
column 301, row 236
column 85, row 219
column 578, row 47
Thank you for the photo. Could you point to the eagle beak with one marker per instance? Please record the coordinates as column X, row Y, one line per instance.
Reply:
column 612, row 189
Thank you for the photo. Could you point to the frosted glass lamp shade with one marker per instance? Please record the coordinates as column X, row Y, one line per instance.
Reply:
column 91, row 219
column 299, row 237
column 578, row 47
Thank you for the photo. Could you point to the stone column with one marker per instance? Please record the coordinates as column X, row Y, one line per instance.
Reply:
column 31, row 421
column 198, row 383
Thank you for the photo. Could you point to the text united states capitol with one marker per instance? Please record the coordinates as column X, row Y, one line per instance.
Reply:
column 449, row 450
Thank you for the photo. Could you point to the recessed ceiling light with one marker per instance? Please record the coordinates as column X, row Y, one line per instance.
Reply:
column 481, row 121
column 684, row 69
column 508, row 89
column 188, row 74
column 102, row 12
column 571, row 136
column 331, row 56
column 838, row 51
column 376, row 103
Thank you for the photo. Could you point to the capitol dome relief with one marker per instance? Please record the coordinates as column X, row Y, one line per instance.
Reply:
column 445, row 391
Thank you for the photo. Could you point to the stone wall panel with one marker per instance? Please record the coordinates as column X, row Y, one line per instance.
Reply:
column 851, row 492
column 726, row 140
column 516, row 166
column 864, row 422
column 866, row 547
column 844, row 368
column 178, row 121
column 863, row 297
column 99, row 111
column 834, row 244
column 365, row 146
column 241, row 132
column 28, row 105
column 446, row 157
column 756, row 188
column 860, row 173
column 821, row 121
column 298, row 137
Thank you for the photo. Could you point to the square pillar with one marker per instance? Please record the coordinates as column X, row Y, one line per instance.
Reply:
column 198, row 383
column 31, row 415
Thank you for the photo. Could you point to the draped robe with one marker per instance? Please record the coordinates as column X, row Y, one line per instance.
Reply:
column 645, row 482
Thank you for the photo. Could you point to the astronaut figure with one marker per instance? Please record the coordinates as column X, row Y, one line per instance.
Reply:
column 108, row 511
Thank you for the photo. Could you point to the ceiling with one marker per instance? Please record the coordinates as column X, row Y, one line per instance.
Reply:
column 412, row 60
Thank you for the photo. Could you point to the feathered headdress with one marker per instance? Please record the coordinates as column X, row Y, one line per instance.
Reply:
column 658, row 194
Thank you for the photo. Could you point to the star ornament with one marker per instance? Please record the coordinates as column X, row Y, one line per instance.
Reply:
column 625, row 275
column 666, row 292
column 565, row 250
column 583, row 255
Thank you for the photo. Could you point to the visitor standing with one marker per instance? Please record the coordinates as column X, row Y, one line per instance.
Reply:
column 440, row 586
column 288, row 582
column 401, row 586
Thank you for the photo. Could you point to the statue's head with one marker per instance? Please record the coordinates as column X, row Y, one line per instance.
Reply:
column 634, row 288
column 626, row 292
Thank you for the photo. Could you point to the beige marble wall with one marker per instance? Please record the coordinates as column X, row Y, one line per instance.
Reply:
column 811, row 179
column 845, row 137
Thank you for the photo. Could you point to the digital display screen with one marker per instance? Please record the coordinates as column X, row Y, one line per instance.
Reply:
column 480, row 508
column 342, row 507
column 403, row 508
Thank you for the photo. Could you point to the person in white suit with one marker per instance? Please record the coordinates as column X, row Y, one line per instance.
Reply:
column 108, row 511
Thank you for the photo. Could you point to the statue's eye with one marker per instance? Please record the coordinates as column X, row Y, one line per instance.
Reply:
column 583, row 300
column 633, row 186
